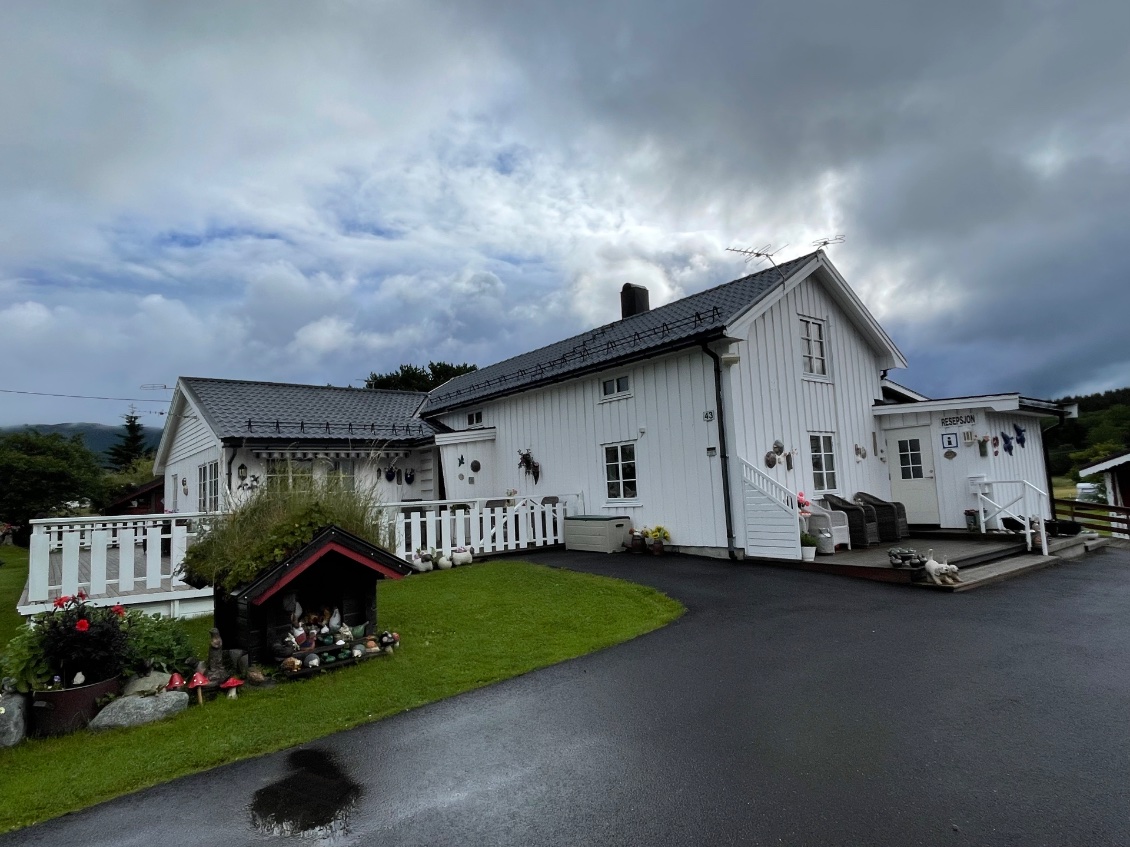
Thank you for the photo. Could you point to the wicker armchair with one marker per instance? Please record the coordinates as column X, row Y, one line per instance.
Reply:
column 891, row 516
column 836, row 523
column 862, row 522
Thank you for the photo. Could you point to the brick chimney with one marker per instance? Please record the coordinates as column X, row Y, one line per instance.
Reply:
column 633, row 300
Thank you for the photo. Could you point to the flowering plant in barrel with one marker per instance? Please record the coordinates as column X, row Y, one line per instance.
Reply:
column 82, row 644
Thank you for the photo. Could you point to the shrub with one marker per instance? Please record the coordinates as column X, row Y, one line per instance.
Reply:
column 276, row 520
column 155, row 643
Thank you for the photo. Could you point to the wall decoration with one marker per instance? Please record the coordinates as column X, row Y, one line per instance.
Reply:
column 770, row 460
column 475, row 466
column 788, row 461
column 1007, row 439
column 526, row 463
column 399, row 476
column 996, row 444
column 460, row 460
column 390, row 474
column 778, row 447
column 410, row 475
column 950, row 454
column 1020, row 439
column 949, row 440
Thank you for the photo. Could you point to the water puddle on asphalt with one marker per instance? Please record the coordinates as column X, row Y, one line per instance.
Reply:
column 313, row 801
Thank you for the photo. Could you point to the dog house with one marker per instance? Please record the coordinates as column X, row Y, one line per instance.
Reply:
column 336, row 570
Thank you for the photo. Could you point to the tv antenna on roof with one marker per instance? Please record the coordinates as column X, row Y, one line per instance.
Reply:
column 766, row 252
column 821, row 243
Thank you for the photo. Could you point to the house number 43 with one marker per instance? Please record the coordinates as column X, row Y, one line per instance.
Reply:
column 708, row 416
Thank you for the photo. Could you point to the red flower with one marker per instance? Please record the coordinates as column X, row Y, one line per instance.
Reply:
column 119, row 610
column 83, row 625
column 60, row 602
column 81, row 594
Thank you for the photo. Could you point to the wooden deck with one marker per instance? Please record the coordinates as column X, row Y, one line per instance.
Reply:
column 965, row 551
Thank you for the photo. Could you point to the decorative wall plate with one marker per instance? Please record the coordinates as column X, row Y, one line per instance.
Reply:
column 770, row 460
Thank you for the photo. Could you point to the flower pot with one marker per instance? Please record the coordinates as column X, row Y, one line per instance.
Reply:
column 657, row 547
column 808, row 554
column 639, row 544
column 68, row 709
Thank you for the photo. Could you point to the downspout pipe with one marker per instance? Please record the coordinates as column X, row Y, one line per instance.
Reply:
column 723, row 451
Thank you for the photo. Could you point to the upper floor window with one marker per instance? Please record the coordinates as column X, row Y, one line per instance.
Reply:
column 616, row 385
column 813, row 352
column 208, row 490
column 823, row 462
column 620, row 471
column 475, row 418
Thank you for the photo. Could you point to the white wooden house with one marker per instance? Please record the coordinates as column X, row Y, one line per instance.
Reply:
column 707, row 415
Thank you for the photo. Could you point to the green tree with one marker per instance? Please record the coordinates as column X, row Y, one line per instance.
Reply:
column 416, row 378
column 130, row 447
column 41, row 474
column 131, row 478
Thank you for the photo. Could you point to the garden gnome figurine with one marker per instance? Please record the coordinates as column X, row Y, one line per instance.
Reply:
column 216, row 656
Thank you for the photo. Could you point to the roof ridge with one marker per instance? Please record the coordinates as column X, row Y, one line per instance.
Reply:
column 603, row 327
column 301, row 385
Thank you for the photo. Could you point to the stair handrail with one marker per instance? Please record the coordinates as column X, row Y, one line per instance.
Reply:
column 768, row 486
column 1028, row 494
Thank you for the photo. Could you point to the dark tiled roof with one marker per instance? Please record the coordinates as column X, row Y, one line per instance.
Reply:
column 666, row 327
column 279, row 410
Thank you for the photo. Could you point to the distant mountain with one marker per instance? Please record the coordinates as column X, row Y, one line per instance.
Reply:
column 98, row 438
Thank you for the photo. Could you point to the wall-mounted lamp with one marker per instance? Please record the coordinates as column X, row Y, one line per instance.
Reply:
column 242, row 471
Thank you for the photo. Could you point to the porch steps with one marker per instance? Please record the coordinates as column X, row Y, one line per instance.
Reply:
column 995, row 571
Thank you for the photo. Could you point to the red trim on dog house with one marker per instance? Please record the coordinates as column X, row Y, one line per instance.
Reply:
column 331, row 547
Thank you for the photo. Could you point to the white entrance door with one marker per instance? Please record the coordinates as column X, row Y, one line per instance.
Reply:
column 911, row 463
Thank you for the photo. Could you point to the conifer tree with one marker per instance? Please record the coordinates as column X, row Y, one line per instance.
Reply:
column 130, row 446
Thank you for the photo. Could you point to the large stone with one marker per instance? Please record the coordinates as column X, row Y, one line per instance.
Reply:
column 147, row 684
column 136, row 710
column 13, row 719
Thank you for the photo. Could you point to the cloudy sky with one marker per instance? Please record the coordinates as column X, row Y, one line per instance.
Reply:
column 310, row 191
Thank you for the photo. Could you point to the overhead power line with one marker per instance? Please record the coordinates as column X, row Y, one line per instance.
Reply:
column 81, row 396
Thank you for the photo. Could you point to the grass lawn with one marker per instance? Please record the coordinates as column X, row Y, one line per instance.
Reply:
column 13, row 575
column 460, row 629
column 1063, row 488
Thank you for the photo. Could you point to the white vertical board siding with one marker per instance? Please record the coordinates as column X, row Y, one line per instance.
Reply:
column 194, row 444
column 952, row 475
column 567, row 425
column 774, row 401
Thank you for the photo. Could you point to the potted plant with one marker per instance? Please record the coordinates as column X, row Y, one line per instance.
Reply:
column 808, row 547
column 655, row 536
column 69, row 658
column 637, row 542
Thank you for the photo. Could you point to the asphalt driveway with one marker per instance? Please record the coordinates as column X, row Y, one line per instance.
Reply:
column 784, row 708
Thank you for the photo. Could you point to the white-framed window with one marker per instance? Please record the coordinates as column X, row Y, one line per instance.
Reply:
column 620, row 471
column 475, row 418
column 812, row 346
column 341, row 473
column 616, row 386
column 910, row 458
column 208, row 487
column 290, row 473
column 822, row 447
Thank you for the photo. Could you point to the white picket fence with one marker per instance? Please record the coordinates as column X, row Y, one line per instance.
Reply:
column 133, row 560
column 482, row 525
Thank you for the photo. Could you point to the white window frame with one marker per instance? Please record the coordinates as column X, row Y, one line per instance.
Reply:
column 814, row 348
column 906, row 459
column 615, row 387
column 288, row 469
column 617, row 460
column 208, row 487
column 340, row 470
column 475, row 419
column 821, row 454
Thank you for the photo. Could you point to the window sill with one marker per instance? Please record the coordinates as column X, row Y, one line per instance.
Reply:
column 817, row 378
column 622, row 504
column 612, row 398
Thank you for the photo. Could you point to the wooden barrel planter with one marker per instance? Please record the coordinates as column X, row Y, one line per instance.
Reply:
column 65, row 710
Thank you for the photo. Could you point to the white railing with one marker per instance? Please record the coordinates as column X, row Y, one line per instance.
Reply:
column 771, row 488
column 1033, row 503
column 126, row 559
column 482, row 525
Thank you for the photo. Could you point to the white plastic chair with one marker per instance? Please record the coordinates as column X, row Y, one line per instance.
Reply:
column 833, row 521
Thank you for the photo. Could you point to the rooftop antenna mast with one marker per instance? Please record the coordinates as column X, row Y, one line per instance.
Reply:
column 821, row 243
column 766, row 252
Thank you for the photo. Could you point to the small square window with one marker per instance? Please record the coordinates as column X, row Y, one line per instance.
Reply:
column 618, row 385
column 475, row 418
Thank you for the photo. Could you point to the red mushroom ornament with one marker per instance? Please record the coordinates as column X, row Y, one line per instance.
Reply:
column 198, row 682
column 232, row 687
column 176, row 682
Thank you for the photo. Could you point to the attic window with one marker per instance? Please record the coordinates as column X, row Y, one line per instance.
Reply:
column 813, row 352
column 616, row 386
column 475, row 418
